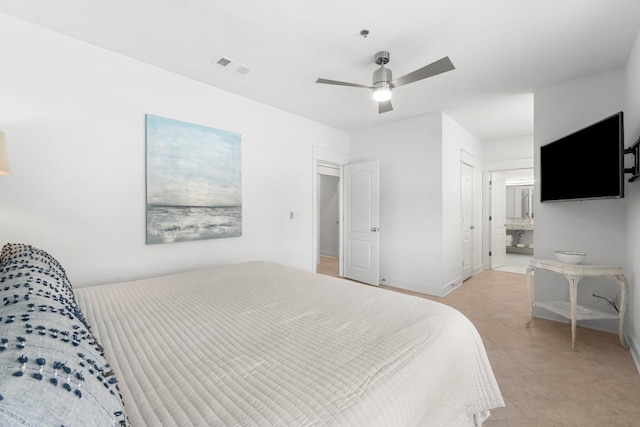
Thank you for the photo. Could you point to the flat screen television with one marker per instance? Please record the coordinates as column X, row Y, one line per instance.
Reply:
column 588, row 164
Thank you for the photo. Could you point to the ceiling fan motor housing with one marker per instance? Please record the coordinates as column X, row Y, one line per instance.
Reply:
column 381, row 77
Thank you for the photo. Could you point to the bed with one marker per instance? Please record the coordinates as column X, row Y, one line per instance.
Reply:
column 262, row 344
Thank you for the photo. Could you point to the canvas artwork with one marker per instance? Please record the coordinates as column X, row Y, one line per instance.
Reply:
column 194, row 182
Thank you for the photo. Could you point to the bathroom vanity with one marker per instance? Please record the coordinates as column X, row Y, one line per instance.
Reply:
column 519, row 219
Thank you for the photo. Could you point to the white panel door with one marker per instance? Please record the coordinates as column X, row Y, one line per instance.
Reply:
column 466, row 214
column 498, row 223
column 361, row 211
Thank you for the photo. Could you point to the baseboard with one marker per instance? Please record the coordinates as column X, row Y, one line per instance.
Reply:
column 635, row 354
column 478, row 268
column 329, row 254
column 451, row 286
column 423, row 288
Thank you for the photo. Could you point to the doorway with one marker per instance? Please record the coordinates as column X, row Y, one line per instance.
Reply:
column 333, row 161
column 358, row 207
column 329, row 207
column 516, row 250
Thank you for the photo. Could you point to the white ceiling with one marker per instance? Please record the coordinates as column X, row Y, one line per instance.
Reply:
column 502, row 50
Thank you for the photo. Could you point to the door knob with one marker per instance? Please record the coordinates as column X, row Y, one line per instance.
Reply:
column 374, row 229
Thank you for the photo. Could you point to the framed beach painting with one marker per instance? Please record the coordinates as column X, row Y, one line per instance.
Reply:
column 194, row 182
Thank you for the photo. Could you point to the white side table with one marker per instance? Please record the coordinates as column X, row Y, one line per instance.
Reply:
column 574, row 273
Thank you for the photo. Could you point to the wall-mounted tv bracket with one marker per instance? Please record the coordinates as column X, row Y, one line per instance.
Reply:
column 635, row 169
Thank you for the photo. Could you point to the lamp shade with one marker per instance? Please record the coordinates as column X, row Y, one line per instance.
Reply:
column 4, row 156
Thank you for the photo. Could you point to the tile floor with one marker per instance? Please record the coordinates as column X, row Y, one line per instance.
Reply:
column 516, row 263
column 544, row 382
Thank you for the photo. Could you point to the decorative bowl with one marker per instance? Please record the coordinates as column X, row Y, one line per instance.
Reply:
column 570, row 257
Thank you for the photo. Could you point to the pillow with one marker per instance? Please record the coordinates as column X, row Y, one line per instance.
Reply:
column 21, row 256
column 27, row 254
column 52, row 369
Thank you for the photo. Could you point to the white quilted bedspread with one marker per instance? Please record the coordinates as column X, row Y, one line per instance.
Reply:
column 262, row 344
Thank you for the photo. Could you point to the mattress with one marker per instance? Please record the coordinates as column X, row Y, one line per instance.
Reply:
column 262, row 344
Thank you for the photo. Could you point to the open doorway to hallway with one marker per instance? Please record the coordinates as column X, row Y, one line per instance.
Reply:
column 328, row 196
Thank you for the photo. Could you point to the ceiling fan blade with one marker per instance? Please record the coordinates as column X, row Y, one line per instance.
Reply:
column 335, row 82
column 440, row 66
column 384, row 106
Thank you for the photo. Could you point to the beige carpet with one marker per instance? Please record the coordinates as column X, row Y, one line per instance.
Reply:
column 543, row 381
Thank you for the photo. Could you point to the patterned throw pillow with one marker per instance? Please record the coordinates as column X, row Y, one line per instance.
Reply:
column 52, row 369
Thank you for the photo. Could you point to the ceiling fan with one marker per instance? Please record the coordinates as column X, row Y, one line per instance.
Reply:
column 383, row 83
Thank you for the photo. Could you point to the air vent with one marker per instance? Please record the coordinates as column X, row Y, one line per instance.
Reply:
column 232, row 65
column 224, row 62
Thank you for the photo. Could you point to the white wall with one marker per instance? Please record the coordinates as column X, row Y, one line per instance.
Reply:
column 73, row 115
column 632, row 133
column 455, row 141
column 597, row 227
column 410, row 154
column 508, row 153
column 420, row 243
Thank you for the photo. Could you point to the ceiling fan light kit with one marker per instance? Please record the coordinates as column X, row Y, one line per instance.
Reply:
column 383, row 81
column 381, row 94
